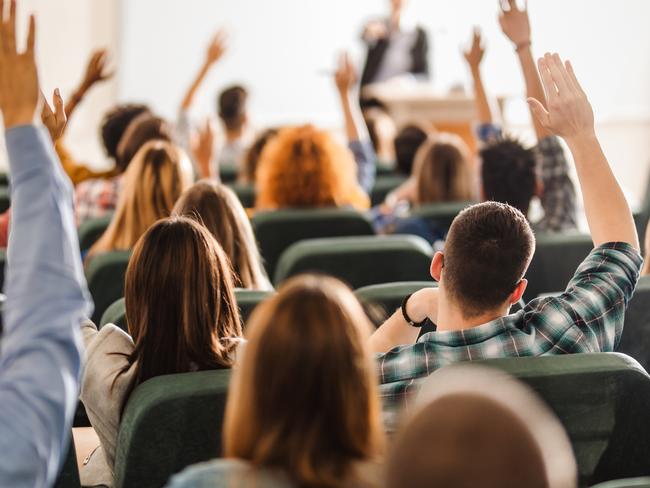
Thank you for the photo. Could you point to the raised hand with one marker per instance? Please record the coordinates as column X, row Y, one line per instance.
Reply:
column 19, row 92
column 476, row 52
column 203, row 149
column 346, row 74
column 55, row 120
column 514, row 22
column 569, row 113
column 97, row 69
column 216, row 49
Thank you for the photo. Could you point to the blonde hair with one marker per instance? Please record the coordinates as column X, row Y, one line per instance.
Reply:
column 304, row 398
column 306, row 167
column 218, row 209
column 155, row 179
column 442, row 171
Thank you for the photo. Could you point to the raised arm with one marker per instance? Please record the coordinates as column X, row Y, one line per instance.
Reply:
column 40, row 361
column 215, row 52
column 355, row 128
column 96, row 72
column 570, row 116
column 515, row 24
column 474, row 57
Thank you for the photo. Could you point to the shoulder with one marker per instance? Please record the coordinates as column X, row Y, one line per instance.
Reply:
column 230, row 473
column 108, row 351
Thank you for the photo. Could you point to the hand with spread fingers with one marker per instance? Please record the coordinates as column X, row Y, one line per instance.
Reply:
column 514, row 22
column 474, row 56
column 569, row 113
column 55, row 120
column 19, row 90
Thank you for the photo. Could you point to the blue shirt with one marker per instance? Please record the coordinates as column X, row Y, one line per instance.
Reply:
column 40, row 352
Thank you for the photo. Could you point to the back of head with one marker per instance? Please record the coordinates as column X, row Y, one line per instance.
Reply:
column 115, row 124
column 159, row 174
column 253, row 154
column 407, row 144
column 306, row 167
column 473, row 426
column 382, row 131
column 488, row 250
column 508, row 173
column 442, row 171
column 180, row 302
column 218, row 209
column 143, row 129
column 232, row 107
column 315, row 412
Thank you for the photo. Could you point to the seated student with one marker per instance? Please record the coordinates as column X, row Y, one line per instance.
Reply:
column 474, row 426
column 159, row 173
column 252, row 157
column 309, row 418
column 182, row 316
column 488, row 249
column 508, row 170
column 218, row 209
column 408, row 142
column 47, row 298
column 95, row 198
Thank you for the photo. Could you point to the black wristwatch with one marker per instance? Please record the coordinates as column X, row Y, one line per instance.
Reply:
column 408, row 319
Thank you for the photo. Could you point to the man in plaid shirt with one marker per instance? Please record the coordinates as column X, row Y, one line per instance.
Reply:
column 489, row 247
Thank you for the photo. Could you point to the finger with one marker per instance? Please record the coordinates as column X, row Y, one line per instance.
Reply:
column 539, row 112
column 59, row 107
column 573, row 77
column 31, row 36
column 512, row 4
column 503, row 5
column 547, row 79
column 11, row 28
column 559, row 74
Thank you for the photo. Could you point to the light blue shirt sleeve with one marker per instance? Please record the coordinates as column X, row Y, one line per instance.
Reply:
column 365, row 157
column 40, row 352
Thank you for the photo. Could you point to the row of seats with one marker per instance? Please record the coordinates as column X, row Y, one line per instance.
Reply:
column 601, row 399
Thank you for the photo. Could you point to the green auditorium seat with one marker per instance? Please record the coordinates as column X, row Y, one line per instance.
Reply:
column 245, row 193
column 385, row 298
column 91, row 230
column 228, row 173
column 105, row 275
column 277, row 230
column 602, row 400
column 5, row 198
column 386, row 170
column 4, row 179
column 69, row 475
column 359, row 261
column 627, row 483
column 115, row 314
column 440, row 214
column 3, row 263
column 635, row 340
column 383, row 186
column 170, row 422
column 557, row 256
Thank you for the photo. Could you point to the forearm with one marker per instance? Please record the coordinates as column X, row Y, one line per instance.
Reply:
column 534, row 87
column 608, row 213
column 75, row 99
column 482, row 105
column 188, row 100
column 355, row 127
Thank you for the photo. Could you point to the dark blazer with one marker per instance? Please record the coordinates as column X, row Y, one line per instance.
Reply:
column 377, row 51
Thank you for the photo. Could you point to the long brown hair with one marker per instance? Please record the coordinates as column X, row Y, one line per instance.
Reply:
column 156, row 178
column 305, row 167
column 442, row 171
column 180, row 302
column 218, row 209
column 304, row 399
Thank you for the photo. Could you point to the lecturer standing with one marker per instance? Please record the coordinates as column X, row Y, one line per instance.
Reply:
column 393, row 49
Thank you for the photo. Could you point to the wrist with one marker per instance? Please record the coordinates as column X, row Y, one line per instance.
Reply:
column 18, row 118
column 523, row 47
column 585, row 140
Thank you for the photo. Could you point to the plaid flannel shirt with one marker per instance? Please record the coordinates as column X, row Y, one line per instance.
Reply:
column 96, row 198
column 587, row 317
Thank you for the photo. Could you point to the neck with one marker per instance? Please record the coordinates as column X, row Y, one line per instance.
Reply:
column 450, row 316
column 395, row 19
column 233, row 135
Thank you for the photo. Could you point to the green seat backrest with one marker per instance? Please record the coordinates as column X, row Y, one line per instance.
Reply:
column 105, row 275
column 245, row 193
column 5, row 198
column 228, row 173
column 91, row 230
column 627, row 483
column 247, row 300
column 383, row 186
column 3, row 264
column 359, row 261
column 387, row 297
column 441, row 215
column 602, row 400
column 69, row 474
column 170, row 422
column 4, row 178
column 635, row 340
column 557, row 256
column 277, row 230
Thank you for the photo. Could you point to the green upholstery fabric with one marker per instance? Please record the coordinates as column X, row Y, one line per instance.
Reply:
column 383, row 186
column 3, row 263
column 359, row 261
column 384, row 169
column 557, row 256
column 441, row 215
column 245, row 193
column 105, row 275
column 228, row 173
column 4, row 179
column 5, row 198
column 170, row 422
column 628, row 483
column 276, row 231
column 69, row 475
column 602, row 400
column 385, row 298
column 115, row 314
column 91, row 230
column 635, row 340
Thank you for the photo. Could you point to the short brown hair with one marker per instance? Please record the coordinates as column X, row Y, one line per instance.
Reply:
column 142, row 129
column 304, row 399
column 488, row 250
column 232, row 107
